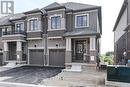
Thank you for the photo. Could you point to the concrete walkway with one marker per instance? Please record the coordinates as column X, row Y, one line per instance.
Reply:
column 4, row 68
column 88, row 77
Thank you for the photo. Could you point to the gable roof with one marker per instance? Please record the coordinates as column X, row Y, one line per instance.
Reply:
column 77, row 6
column 52, row 6
column 17, row 16
column 69, row 6
column 5, row 20
column 124, row 5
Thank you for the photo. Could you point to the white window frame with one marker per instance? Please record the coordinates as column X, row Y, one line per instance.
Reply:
column 51, row 29
column 81, row 15
column 19, row 23
column 29, row 27
column 55, row 23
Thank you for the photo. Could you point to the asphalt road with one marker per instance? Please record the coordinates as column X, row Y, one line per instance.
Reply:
column 29, row 74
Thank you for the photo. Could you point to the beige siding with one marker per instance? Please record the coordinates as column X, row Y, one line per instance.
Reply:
column 121, row 26
column 38, row 43
column 53, row 42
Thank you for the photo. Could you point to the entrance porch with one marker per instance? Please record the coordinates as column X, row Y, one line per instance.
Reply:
column 14, row 52
column 82, row 50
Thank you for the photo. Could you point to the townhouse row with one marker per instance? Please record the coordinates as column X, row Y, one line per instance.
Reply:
column 56, row 35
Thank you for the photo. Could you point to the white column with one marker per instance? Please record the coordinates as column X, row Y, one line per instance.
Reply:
column 39, row 24
column 92, row 43
column 68, row 44
column 19, row 46
column 63, row 23
column 49, row 23
column 5, row 46
column 87, row 46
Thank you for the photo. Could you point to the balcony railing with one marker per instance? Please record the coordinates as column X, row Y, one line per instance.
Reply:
column 14, row 32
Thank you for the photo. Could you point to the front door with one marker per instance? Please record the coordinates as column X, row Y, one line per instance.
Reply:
column 80, row 49
column 12, row 50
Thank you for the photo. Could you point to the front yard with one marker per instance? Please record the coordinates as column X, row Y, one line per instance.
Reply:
column 48, row 76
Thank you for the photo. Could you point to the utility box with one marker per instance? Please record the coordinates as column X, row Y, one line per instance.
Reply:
column 128, row 63
column 118, row 73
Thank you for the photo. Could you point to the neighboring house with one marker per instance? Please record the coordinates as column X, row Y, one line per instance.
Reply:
column 56, row 35
column 122, row 34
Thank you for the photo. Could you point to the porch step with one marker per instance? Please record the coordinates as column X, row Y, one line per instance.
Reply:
column 75, row 67
column 10, row 64
column 14, row 64
column 83, row 65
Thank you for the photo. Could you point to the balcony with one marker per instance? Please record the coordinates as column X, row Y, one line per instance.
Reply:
column 14, row 35
column 14, row 32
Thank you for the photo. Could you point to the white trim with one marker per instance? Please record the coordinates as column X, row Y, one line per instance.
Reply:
column 55, row 15
column 56, row 47
column 34, row 38
column 81, row 37
column 33, row 18
column 34, row 31
column 56, row 29
column 82, row 15
column 42, row 48
column 13, row 40
column 14, row 35
column 57, row 37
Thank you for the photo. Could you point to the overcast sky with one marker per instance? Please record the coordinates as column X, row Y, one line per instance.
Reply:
column 110, row 11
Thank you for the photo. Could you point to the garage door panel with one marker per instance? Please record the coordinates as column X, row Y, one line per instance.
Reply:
column 57, row 57
column 37, row 57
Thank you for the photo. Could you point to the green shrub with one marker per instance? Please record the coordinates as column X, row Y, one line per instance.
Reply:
column 106, row 58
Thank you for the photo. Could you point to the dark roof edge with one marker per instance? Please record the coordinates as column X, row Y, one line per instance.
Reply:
column 127, row 27
column 120, row 13
column 100, row 18
column 6, row 25
column 58, row 7
column 32, row 11
column 97, row 34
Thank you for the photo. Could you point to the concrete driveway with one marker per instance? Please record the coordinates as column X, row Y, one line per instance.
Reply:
column 28, row 74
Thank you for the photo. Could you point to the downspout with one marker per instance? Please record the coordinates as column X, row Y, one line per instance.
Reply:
column 126, row 59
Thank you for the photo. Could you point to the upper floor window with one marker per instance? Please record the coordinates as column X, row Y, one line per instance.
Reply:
column 82, row 21
column 33, row 24
column 19, row 27
column 55, row 22
column 7, row 31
